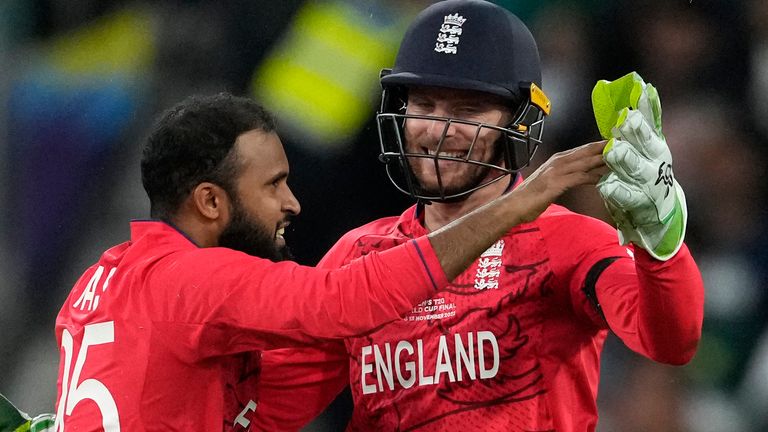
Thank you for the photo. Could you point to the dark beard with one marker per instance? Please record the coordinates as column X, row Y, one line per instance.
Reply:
column 245, row 235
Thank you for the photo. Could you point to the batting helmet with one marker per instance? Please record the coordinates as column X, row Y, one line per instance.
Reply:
column 469, row 45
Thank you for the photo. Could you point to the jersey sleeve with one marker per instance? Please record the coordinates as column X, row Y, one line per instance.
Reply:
column 654, row 307
column 580, row 249
column 221, row 302
column 297, row 384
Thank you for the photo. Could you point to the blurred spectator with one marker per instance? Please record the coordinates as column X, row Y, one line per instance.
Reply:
column 700, row 72
column 757, row 16
column 753, row 392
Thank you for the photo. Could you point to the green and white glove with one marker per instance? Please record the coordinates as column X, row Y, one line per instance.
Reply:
column 641, row 194
column 14, row 420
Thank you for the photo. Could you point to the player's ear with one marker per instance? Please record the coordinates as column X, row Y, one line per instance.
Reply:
column 211, row 201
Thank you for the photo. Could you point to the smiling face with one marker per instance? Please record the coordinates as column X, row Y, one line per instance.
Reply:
column 423, row 137
column 263, row 203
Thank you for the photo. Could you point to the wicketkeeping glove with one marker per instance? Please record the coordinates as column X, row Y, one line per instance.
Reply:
column 14, row 420
column 641, row 194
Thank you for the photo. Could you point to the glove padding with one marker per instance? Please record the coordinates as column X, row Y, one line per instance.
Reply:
column 14, row 420
column 641, row 194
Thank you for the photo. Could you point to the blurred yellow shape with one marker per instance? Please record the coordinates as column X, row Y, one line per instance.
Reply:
column 118, row 44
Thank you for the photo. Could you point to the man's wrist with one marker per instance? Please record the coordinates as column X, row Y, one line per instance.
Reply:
column 663, row 240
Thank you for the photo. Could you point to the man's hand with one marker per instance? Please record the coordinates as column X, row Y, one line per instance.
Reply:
column 578, row 166
column 641, row 194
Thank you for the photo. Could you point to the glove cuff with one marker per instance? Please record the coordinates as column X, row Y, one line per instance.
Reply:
column 670, row 235
column 43, row 423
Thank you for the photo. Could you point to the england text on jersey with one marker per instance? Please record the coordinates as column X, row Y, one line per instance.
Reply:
column 470, row 356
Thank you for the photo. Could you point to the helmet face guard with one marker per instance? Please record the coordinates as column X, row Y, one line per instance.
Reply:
column 514, row 148
column 466, row 45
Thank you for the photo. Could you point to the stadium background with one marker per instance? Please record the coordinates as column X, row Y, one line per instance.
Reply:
column 81, row 80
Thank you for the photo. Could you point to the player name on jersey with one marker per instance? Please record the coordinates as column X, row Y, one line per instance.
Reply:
column 457, row 358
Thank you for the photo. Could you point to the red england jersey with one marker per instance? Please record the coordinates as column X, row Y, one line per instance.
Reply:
column 513, row 343
column 162, row 335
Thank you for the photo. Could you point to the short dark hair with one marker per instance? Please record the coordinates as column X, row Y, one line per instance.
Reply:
column 192, row 143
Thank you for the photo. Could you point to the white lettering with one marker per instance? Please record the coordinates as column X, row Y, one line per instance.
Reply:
column 464, row 357
column 89, row 299
column 366, row 369
column 86, row 298
column 468, row 356
column 241, row 420
column 104, row 287
column 410, row 366
column 423, row 380
column 383, row 367
column 483, row 336
column 443, row 361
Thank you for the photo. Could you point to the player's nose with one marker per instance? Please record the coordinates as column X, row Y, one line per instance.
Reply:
column 439, row 128
column 291, row 203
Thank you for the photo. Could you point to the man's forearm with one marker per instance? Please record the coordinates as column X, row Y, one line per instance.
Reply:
column 671, row 306
column 462, row 241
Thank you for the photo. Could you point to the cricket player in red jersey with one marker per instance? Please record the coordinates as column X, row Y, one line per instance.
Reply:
column 164, row 332
column 514, row 342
